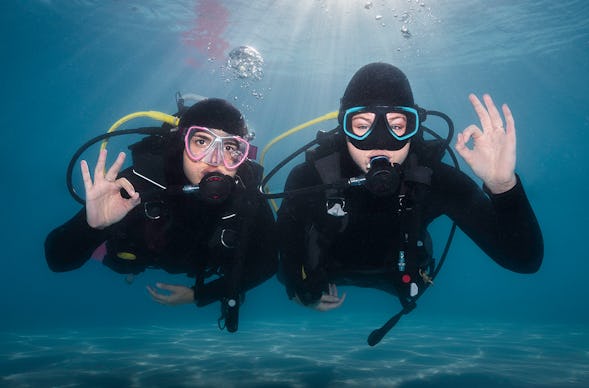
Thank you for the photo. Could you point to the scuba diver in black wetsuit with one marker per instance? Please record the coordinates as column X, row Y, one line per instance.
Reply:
column 206, row 219
column 371, row 230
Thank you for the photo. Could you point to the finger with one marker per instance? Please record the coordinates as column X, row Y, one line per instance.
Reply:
column 327, row 306
column 509, row 120
column 480, row 111
column 332, row 289
column 460, row 143
column 151, row 291
column 496, row 120
column 461, row 147
column 128, row 187
column 329, row 299
column 156, row 296
column 160, row 300
column 100, row 163
column 113, row 171
column 86, row 176
column 471, row 132
column 167, row 287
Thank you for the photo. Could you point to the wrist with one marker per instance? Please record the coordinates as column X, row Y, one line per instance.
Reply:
column 502, row 187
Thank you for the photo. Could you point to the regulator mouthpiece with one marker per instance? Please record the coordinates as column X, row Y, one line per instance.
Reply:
column 382, row 178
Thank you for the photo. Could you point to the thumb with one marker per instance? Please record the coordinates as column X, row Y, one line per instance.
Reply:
column 461, row 146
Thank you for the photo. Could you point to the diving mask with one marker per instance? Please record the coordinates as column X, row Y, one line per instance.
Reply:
column 202, row 144
column 371, row 127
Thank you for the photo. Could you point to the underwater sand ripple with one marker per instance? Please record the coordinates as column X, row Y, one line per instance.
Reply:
column 298, row 355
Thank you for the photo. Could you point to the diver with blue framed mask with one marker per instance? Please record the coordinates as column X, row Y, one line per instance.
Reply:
column 357, row 211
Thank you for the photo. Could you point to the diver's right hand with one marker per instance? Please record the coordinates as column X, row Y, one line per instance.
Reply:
column 327, row 302
column 104, row 203
column 175, row 294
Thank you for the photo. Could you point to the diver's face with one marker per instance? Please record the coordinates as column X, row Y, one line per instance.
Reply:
column 362, row 157
column 196, row 170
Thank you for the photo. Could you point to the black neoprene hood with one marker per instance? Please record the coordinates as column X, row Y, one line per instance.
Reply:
column 377, row 84
column 215, row 113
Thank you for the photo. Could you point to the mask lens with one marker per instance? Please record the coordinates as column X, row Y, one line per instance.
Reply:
column 204, row 145
column 401, row 122
column 198, row 142
column 360, row 124
column 235, row 151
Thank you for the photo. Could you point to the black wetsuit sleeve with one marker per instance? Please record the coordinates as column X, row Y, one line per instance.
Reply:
column 260, row 261
column 503, row 225
column 70, row 245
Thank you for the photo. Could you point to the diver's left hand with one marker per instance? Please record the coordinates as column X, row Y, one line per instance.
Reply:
column 492, row 157
column 328, row 301
column 176, row 294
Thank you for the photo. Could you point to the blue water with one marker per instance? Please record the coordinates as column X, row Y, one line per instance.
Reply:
column 71, row 68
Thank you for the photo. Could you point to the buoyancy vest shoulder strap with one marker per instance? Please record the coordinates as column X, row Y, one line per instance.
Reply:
column 329, row 168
